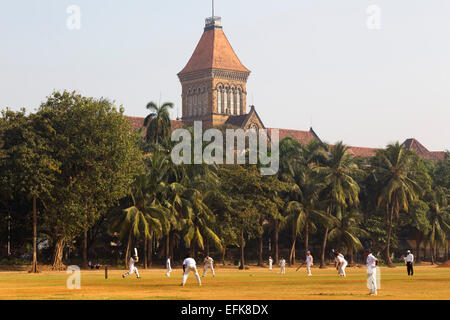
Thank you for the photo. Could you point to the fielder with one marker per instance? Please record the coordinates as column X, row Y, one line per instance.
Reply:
column 270, row 263
column 283, row 265
column 208, row 264
column 189, row 264
column 134, row 259
column 340, row 263
column 168, row 267
column 309, row 262
column 371, row 263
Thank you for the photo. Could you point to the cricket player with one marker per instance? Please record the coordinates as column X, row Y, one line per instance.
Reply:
column 270, row 263
column 168, row 267
column 283, row 265
column 340, row 262
column 208, row 264
column 189, row 264
column 371, row 263
column 134, row 259
column 309, row 262
column 409, row 260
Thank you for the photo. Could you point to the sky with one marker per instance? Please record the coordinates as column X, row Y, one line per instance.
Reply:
column 314, row 62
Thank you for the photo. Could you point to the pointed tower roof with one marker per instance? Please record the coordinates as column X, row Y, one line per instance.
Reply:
column 214, row 51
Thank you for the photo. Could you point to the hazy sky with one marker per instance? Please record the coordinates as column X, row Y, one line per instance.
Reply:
column 312, row 61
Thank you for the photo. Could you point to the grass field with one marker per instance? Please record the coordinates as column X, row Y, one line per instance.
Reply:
column 429, row 283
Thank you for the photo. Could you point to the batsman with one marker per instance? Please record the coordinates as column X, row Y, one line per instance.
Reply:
column 134, row 259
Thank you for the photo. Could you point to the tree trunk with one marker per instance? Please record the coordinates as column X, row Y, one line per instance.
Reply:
column 324, row 246
column 223, row 254
column 192, row 250
column 172, row 245
column 419, row 238
column 150, row 251
column 260, row 252
column 276, row 231
column 306, row 236
column 352, row 260
column 145, row 253
column 34, row 267
column 446, row 250
column 58, row 255
column 294, row 238
column 242, row 250
column 127, row 254
column 388, row 242
column 167, row 245
column 207, row 247
column 85, row 241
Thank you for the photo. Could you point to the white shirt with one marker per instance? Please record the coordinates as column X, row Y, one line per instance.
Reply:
column 282, row 262
column 340, row 258
column 168, row 263
column 209, row 260
column 409, row 258
column 189, row 262
column 309, row 260
column 371, row 262
column 270, row 260
column 132, row 261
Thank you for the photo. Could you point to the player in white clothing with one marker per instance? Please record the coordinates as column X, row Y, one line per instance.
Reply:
column 340, row 263
column 208, row 264
column 270, row 263
column 134, row 259
column 371, row 263
column 189, row 264
column 309, row 262
column 168, row 267
column 283, row 265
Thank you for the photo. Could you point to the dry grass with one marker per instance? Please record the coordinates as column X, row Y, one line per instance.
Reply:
column 254, row 284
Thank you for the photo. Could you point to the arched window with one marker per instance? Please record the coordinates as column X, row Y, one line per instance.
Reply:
column 219, row 100
column 238, row 102
column 225, row 100
column 232, row 105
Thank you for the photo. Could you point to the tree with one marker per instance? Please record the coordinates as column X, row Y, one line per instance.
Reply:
column 99, row 157
column 341, row 189
column 397, row 188
column 29, row 168
column 439, row 217
column 157, row 123
column 347, row 231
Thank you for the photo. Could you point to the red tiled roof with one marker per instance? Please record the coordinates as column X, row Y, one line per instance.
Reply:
column 214, row 51
column 362, row 152
column 413, row 144
column 138, row 122
column 304, row 137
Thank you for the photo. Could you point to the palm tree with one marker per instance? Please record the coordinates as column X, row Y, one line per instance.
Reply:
column 341, row 189
column 347, row 230
column 393, row 172
column 157, row 123
column 197, row 221
column 439, row 217
column 306, row 207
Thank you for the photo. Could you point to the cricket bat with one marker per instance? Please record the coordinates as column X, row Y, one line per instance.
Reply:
column 136, row 253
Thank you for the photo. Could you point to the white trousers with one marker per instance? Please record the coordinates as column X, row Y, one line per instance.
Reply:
column 308, row 268
column 208, row 266
column 342, row 269
column 270, row 265
column 283, row 270
column 186, row 274
column 372, row 280
column 169, row 270
column 133, row 269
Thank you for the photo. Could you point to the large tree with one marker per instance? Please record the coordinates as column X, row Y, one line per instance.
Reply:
column 99, row 158
column 393, row 169
column 157, row 124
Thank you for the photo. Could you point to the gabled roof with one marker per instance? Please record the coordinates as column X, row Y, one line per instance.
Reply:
column 242, row 120
column 214, row 51
column 413, row 144
column 304, row 137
